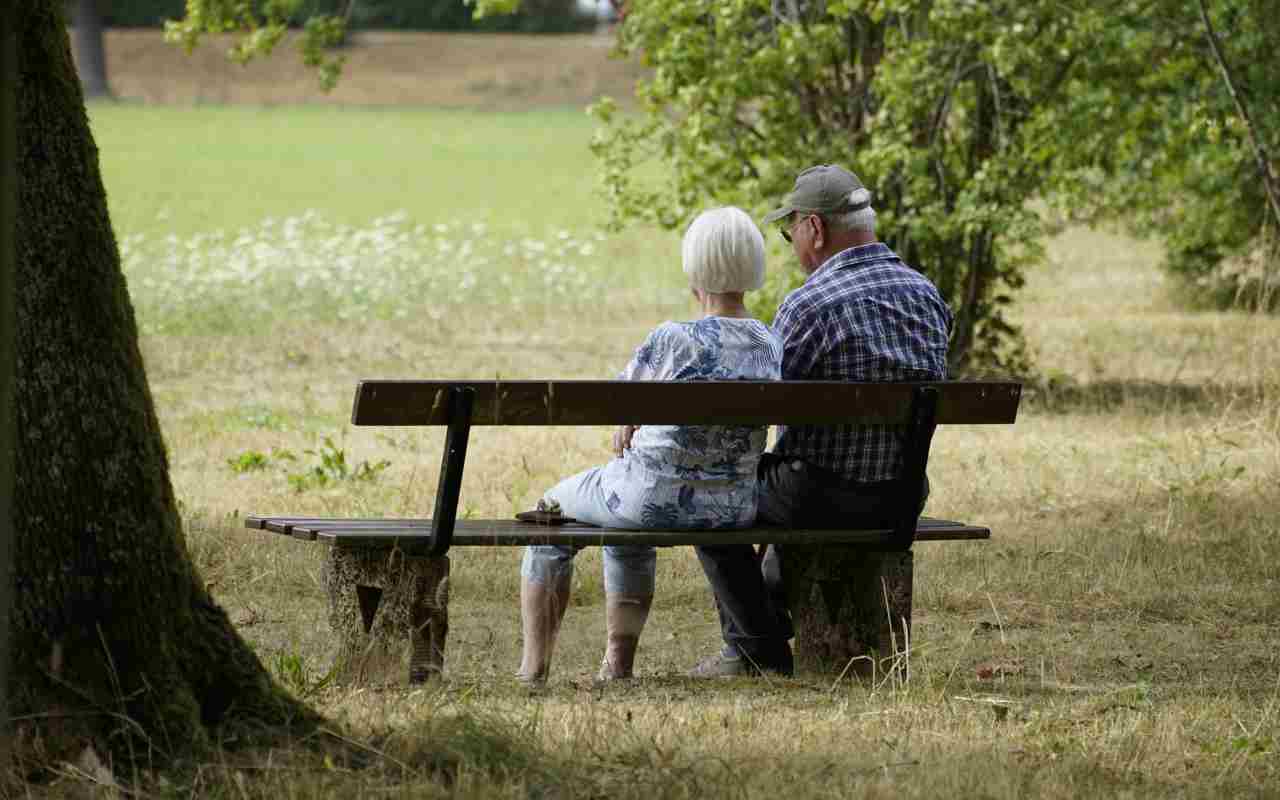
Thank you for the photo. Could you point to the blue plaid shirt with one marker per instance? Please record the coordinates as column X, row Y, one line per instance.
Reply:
column 863, row 315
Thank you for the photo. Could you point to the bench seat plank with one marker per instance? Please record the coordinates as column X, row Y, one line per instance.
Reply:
column 411, row 534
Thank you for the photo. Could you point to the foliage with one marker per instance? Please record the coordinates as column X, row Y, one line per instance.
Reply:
column 935, row 104
column 257, row 461
column 262, row 25
column 248, row 461
column 958, row 115
column 331, row 467
column 294, row 671
column 1158, row 141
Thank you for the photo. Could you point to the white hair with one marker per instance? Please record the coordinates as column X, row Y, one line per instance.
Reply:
column 723, row 251
column 864, row 219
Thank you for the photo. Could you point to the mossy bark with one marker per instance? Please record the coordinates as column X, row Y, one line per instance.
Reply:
column 111, row 625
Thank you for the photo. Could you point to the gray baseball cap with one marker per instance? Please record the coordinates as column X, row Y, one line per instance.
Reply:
column 824, row 189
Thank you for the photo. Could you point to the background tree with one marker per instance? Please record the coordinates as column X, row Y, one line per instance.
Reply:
column 115, row 639
column 87, row 28
column 935, row 104
column 961, row 116
column 1161, row 141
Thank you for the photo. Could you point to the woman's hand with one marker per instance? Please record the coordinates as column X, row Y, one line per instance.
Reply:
column 622, row 438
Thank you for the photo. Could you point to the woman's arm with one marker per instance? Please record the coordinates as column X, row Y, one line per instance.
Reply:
column 646, row 364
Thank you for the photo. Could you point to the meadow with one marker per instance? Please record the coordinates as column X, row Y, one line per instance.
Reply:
column 1118, row 636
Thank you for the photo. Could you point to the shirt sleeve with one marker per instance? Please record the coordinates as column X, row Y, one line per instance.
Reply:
column 802, row 338
column 649, row 359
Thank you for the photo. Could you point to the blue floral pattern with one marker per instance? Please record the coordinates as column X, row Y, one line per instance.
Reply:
column 694, row 476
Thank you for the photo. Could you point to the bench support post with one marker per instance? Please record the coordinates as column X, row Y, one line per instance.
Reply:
column 851, row 609
column 915, row 458
column 389, row 612
column 461, row 401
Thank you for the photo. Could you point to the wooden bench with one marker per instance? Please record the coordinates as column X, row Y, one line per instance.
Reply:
column 387, row 579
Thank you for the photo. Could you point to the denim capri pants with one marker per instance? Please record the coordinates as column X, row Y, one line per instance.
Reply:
column 628, row 569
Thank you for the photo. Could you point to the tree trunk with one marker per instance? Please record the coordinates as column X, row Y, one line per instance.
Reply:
column 90, row 47
column 115, row 638
column 8, row 208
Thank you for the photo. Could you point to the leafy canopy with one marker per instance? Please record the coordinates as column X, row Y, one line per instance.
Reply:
column 963, row 117
column 1158, row 141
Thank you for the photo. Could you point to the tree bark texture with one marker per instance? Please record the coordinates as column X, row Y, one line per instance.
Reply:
column 851, row 609
column 111, row 626
column 8, row 210
column 389, row 613
column 90, row 47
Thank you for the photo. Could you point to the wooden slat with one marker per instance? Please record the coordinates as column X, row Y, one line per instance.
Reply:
column 414, row 534
column 288, row 525
column 681, row 402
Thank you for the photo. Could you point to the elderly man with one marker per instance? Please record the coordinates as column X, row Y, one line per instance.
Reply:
column 861, row 315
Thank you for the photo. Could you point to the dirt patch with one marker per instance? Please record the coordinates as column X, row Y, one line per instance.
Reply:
column 464, row 70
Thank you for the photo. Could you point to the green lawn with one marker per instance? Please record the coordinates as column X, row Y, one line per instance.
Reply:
column 193, row 170
column 232, row 216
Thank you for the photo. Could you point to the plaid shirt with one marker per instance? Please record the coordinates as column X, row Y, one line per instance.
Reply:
column 863, row 315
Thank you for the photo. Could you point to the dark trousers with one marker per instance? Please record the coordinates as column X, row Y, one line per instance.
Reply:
column 750, row 587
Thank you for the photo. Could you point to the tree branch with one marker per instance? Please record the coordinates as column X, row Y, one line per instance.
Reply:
column 944, row 102
column 1259, row 150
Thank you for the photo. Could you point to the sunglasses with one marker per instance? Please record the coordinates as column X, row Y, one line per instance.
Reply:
column 785, row 233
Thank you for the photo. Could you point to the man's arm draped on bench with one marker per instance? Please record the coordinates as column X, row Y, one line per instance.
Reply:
column 861, row 315
column 665, row 476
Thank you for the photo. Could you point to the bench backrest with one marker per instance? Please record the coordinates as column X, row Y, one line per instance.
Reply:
column 682, row 402
column 917, row 407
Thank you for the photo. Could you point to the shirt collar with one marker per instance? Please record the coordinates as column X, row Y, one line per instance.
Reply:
column 855, row 256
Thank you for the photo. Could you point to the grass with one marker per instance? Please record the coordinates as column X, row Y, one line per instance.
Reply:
column 1118, row 636
column 203, row 169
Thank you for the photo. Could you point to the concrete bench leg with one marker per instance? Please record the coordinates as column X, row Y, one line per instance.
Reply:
column 851, row 609
column 389, row 612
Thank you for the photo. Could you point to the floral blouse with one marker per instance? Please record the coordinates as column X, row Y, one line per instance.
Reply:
column 694, row 476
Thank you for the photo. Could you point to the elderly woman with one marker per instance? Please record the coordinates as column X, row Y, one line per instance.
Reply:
column 664, row 477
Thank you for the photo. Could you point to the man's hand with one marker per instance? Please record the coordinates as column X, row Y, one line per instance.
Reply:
column 622, row 438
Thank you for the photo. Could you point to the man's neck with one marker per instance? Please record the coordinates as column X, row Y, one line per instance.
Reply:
column 842, row 241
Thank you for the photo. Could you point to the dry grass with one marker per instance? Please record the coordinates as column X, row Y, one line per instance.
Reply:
column 1118, row 635
column 383, row 68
